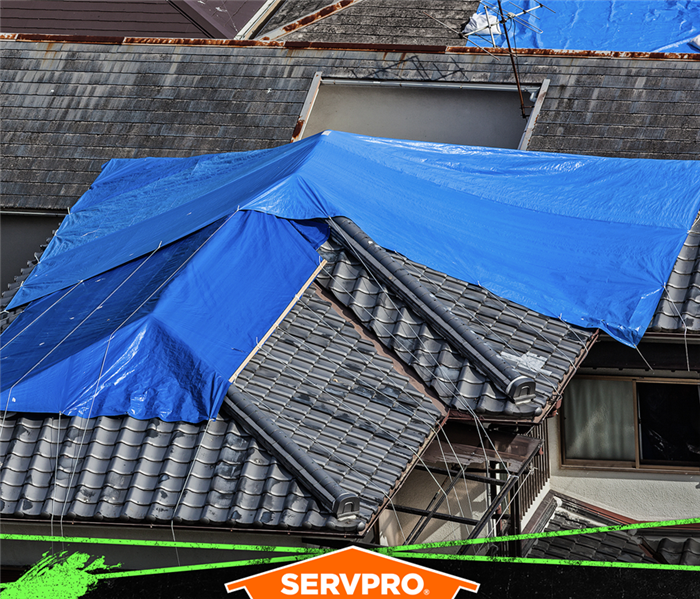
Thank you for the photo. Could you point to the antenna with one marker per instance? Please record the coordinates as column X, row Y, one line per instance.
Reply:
column 484, row 26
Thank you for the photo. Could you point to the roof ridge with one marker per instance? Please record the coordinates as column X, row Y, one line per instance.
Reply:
column 323, row 487
column 518, row 387
column 308, row 19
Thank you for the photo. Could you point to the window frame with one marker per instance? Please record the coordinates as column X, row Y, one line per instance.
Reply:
column 615, row 465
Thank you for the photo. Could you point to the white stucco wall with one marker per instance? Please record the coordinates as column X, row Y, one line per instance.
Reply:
column 641, row 495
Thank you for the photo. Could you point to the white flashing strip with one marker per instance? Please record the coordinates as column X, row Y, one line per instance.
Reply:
column 263, row 12
column 282, row 316
column 527, row 135
column 491, row 87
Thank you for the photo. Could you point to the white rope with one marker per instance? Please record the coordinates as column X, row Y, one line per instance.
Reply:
column 456, row 390
column 97, row 386
column 184, row 486
column 685, row 328
column 55, row 475
column 398, row 521
column 643, row 358
column 40, row 315
column 104, row 358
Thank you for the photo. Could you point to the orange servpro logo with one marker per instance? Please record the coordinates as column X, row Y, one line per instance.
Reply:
column 352, row 572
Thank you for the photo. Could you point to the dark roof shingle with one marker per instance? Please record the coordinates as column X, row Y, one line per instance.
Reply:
column 410, row 22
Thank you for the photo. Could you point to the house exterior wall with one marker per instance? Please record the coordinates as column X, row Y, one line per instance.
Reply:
column 643, row 495
column 447, row 115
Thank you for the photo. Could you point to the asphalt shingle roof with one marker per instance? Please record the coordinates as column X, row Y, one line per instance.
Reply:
column 380, row 21
column 291, row 10
column 70, row 107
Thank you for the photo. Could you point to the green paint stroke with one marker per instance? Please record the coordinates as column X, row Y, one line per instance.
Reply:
column 70, row 576
column 142, row 543
column 537, row 535
column 535, row 560
column 66, row 576
column 59, row 576
column 197, row 567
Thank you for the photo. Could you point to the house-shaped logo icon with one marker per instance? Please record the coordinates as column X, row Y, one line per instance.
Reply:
column 352, row 572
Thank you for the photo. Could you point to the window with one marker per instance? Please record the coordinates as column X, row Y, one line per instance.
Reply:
column 631, row 423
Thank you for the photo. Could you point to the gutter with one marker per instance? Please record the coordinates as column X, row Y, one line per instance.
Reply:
column 395, row 48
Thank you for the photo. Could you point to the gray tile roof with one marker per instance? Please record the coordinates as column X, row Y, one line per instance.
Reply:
column 679, row 308
column 618, row 546
column 678, row 546
column 323, row 385
column 136, row 470
column 381, row 21
column 339, row 400
column 683, row 552
column 535, row 345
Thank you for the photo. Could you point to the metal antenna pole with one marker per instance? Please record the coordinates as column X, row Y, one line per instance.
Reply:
column 512, row 59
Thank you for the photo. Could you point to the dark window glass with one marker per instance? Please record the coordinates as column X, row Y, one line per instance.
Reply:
column 669, row 423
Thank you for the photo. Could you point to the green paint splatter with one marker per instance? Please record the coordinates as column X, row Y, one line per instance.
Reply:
column 61, row 576
column 539, row 535
column 537, row 560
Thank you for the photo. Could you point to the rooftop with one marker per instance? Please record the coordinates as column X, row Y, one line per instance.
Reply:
column 75, row 104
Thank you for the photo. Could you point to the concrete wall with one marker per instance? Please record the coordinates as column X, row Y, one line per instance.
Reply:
column 455, row 116
column 641, row 495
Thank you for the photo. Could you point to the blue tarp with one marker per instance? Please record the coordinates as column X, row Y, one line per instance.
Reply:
column 586, row 239
column 161, row 335
column 606, row 25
